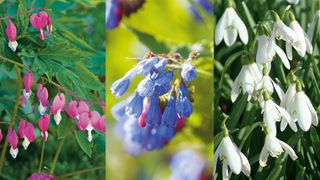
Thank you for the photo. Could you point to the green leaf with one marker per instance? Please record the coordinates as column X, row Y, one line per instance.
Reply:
column 238, row 108
column 82, row 139
column 149, row 41
column 249, row 16
column 65, row 127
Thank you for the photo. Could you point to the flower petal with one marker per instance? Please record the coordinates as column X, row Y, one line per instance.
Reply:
column 243, row 33
column 282, row 56
column 225, row 171
column 312, row 110
column 289, row 50
column 219, row 31
column 230, row 36
column 288, row 150
column 263, row 158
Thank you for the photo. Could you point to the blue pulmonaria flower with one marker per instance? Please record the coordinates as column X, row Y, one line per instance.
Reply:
column 204, row 4
column 169, row 117
column 158, row 69
column 153, row 117
column 146, row 87
column 113, row 14
column 167, row 133
column 120, row 86
column 183, row 106
column 144, row 67
column 188, row 72
column 153, row 140
column 187, row 165
column 162, row 85
column 135, row 106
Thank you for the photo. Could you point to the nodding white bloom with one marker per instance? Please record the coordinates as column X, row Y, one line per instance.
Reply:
column 293, row 1
column 273, row 113
column 247, row 79
column 303, row 44
column 231, row 156
column 267, row 83
column 283, row 32
column 267, row 49
column 274, row 147
column 288, row 97
column 228, row 28
column 301, row 110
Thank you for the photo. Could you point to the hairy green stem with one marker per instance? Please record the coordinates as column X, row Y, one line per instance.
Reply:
column 13, row 116
column 81, row 171
column 41, row 156
column 56, row 156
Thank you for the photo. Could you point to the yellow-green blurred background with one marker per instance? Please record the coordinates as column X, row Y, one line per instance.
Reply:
column 171, row 23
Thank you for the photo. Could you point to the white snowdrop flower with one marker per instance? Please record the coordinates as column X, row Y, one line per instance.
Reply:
column 246, row 81
column 267, row 83
column 273, row 113
column 281, row 31
column 274, row 147
column 231, row 156
column 228, row 28
column 267, row 49
column 303, row 44
column 293, row 1
column 302, row 110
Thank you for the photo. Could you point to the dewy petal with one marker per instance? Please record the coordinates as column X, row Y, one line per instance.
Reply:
column 243, row 33
column 282, row 56
column 288, row 150
column 219, row 31
column 312, row 110
column 289, row 50
column 262, row 56
column 263, row 158
column 230, row 36
column 302, row 110
column 225, row 171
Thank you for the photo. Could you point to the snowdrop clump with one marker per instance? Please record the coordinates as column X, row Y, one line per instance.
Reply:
column 293, row 108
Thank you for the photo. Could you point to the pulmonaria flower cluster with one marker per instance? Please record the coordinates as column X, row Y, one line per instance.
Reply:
column 39, row 21
column 79, row 110
column 294, row 107
column 160, row 104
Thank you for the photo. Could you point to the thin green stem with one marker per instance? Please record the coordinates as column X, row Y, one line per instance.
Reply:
column 56, row 156
column 257, row 124
column 13, row 116
column 81, row 171
column 41, row 156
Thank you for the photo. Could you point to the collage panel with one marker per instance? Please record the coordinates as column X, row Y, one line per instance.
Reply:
column 266, row 80
column 159, row 89
column 52, row 90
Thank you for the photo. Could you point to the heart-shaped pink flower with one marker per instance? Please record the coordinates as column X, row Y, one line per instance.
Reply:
column 26, row 131
column 87, row 121
column 42, row 94
column 39, row 21
column 58, row 106
column 43, row 124
column 28, row 81
column 13, row 141
column 11, row 32
column 76, row 108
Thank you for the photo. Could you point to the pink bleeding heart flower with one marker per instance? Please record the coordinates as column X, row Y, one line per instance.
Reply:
column 39, row 21
column 23, row 100
column 43, row 124
column 13, row 141
column 26, row 131
column 40, row 176
column 49, row 25
column 87, row 121
column 1, row 136
column 28, row 81
column 100, row 124
column 11, row 32
column 42, row 94
column 76, row 108
column 57, row 107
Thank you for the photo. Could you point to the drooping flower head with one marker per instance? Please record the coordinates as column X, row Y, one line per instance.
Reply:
column 42, row 94
column 43, row 124
column 101, row 124
column 39, row 21
column 40, row 176
column 183, row 106
column 26, row 131
column 28, row 81
column 135, row 106
column 49, row 24
column 58, row 106
column 13, row 141
column 170, row 117
column 153, row 116
column 119, row 87
column 188, row 72
column 89, row 121
column 76, row 108
column 11, row 33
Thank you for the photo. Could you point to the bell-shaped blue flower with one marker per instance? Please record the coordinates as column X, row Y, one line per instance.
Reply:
column 120, row 86
column 146, row 87
column 167, row 133
column 153, row 140
column 183, row 106
column 188, row 72
column 144, row 67
column 158, row 69
column 169, row 117
column 162, row 85
column 153, row 117
column 135, row 106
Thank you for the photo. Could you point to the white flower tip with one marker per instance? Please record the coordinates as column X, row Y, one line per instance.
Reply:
column 57, row 118
column 42, row 109
column 13, row 45
column 262, row 163
column 14, row 152
column 25, row 143
column 27, row 94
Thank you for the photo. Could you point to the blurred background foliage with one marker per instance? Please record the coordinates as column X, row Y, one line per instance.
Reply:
column 74, row 57
column 243, row 114
column 163, row 27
